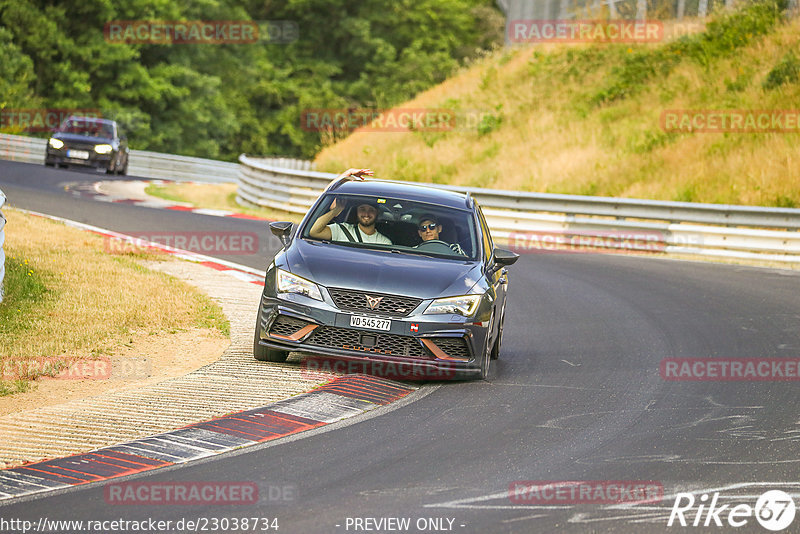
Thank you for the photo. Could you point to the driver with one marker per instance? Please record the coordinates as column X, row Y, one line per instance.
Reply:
column 363, row 232
column 429, row 229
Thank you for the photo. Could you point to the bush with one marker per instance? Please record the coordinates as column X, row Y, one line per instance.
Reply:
column 786, row 71
column 490, row 122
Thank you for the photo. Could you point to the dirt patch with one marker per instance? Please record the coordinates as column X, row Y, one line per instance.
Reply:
column 145, row 360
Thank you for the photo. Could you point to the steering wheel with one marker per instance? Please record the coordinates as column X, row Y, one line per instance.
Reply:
column 435, row 245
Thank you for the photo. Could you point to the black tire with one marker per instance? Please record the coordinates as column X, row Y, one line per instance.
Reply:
column 485, row 363
column 499, row 341
column 109, row 171
column 487, row 358
column 265, row 354
column 49, row 164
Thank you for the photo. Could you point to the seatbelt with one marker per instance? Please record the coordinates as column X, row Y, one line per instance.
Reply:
column 348, row 235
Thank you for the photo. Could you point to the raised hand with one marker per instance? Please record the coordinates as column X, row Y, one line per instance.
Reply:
column 337, row 207
column 357, row 174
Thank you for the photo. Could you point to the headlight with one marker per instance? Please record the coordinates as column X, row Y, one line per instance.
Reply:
column 464, row 305
column 291, row 283
column 56, row 143
column 103, row 149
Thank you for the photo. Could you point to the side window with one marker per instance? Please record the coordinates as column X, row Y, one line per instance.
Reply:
column 488, row 246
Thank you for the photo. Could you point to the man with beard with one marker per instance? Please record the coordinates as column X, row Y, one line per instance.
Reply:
column 363, row 232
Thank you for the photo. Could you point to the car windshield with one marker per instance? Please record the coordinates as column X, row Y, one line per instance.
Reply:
column 88, row 127
column 447, row 232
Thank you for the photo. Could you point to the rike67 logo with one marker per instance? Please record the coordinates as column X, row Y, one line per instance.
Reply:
column 774, row 510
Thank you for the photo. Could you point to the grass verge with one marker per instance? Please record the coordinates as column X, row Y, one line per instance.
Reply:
column 586, row 119
column 68, row 299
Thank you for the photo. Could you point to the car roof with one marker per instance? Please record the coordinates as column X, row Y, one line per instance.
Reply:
column 404, row 190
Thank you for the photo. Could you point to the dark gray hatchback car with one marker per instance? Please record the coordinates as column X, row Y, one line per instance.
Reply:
column 370, row 294
column 88, row 142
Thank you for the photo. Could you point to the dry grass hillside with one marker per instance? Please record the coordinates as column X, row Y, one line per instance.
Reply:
column 585, row 119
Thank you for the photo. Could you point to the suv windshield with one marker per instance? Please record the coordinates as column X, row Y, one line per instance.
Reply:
column 394, row 224
column 88, row 127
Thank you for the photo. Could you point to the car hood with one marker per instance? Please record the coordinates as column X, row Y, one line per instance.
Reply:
column 85, row 139
column 381, row 272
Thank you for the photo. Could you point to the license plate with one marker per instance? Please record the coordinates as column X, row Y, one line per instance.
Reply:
column 78, row 154
column 360, row 321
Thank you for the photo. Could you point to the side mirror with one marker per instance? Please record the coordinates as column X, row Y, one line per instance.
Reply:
column 505, row 257
column 502, row 258
column 282, row 230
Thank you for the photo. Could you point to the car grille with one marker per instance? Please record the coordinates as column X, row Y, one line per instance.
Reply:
column 79, row 145
column 286, row 326
column 455, row 347
column 389, row 305
column 389, row 344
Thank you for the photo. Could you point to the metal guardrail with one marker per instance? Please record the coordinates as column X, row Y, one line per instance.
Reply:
column 142, row 163
column 540, row 221
column 2, row 241
column 527, row 221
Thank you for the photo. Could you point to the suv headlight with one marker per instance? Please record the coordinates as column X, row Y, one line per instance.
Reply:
column 291, row 283
column 103, row 149
column 56, row 143
column 464, row 305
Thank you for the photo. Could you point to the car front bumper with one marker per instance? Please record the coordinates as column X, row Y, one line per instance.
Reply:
column 59, row 157
column 418, row 347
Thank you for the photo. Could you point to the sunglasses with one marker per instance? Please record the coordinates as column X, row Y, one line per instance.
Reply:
column 431, row 227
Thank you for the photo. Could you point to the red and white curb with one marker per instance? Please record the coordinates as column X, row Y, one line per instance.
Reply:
column 242, row 272
column 343, row 397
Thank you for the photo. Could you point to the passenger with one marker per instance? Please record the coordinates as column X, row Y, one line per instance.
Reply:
column 429, row 229
column 363, row 232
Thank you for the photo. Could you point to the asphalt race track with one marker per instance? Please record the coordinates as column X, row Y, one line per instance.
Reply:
column 577, row 395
